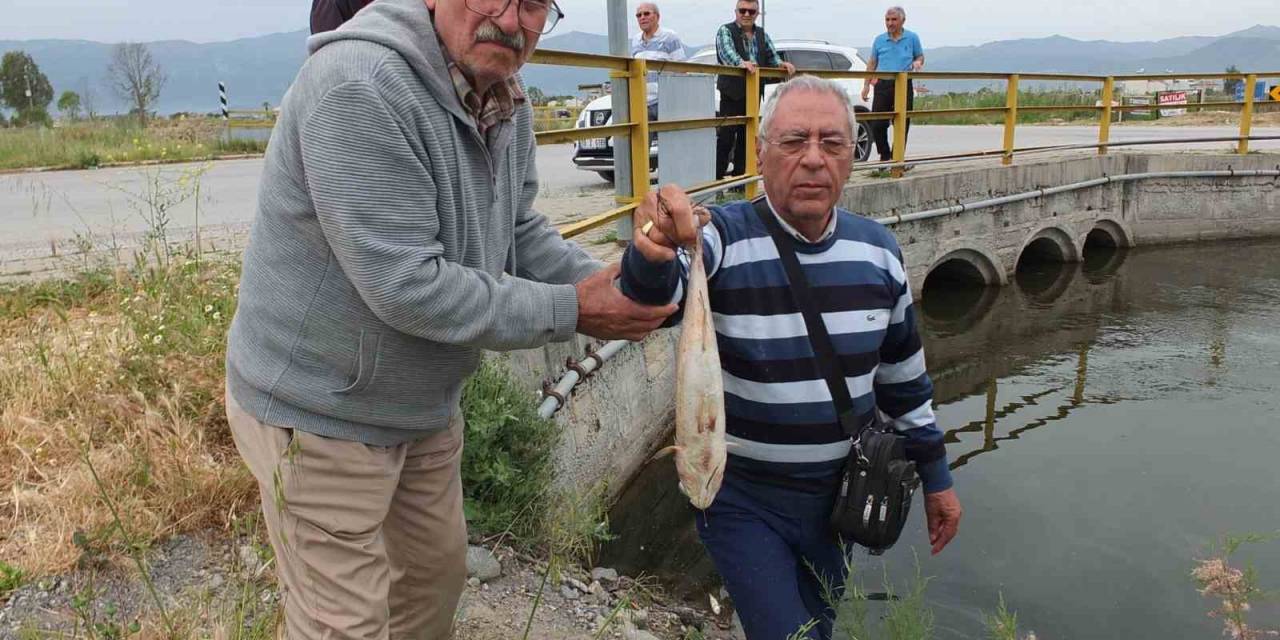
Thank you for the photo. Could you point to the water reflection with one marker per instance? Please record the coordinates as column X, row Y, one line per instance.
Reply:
column 955, row 310
column 1044, row 282
column 1097, row 382
column 1102, row 262
column 1009, row 412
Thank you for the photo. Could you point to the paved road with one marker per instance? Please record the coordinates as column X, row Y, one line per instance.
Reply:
column 41, row 210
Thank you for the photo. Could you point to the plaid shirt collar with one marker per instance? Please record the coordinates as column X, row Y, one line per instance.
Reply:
column 497, row 104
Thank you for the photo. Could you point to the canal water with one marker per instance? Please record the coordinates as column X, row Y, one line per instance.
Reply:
column 1106, row 421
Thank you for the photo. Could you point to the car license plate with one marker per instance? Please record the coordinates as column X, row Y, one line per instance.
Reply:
column 593, row 143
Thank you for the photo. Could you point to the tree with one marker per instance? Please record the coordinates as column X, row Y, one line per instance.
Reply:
column 69, row 105
column 24, row 88
column 135, row 77
column 536, row 97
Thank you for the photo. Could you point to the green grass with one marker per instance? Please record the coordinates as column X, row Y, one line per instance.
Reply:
column 1002, row 624
column 104, row 142
column 986, row 98
column 11, row 578
column 506, row 465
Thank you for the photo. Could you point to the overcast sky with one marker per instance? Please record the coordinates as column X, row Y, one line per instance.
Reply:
column 939, row 22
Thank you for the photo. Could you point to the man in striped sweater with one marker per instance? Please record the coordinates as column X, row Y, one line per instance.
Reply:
column 768, row 530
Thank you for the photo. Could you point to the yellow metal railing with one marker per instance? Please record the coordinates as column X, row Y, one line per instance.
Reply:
column 633, row 72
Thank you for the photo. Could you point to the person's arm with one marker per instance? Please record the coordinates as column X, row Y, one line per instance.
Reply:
column 903, row 389
column 541, row 253
column 872, row 64
column 725, row 49
column 676, row 48
column 651, row 271
column 917, row 59
column 904, row 392
column 382, row 225
column 775, row 59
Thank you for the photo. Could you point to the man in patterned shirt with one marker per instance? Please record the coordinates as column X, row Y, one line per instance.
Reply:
column 740, row 44
column 769, row 530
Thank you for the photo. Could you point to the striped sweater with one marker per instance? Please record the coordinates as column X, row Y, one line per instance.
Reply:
column 779, row 411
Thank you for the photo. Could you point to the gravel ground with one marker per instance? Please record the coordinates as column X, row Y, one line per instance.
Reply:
column 210, row 581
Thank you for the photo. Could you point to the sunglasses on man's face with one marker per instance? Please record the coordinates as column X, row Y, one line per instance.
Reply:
column 641, row 14
column 747, row 12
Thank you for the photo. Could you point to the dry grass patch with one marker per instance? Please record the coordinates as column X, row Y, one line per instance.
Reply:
column 123, row 372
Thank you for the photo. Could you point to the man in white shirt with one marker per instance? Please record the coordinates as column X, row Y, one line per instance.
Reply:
column 654, row 42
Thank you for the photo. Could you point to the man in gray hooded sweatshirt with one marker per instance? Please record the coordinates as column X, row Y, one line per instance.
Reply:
column 394, row 240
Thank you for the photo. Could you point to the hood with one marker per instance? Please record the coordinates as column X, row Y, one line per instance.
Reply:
column 407, row 27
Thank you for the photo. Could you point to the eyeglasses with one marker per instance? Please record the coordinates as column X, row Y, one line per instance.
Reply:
column 641, row 14
column 536, row 16
column 747, row 12
column 833, row 147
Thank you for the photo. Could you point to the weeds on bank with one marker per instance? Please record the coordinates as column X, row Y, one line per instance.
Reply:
column 1237, row 589
column 1003, row 624
column 122, row 370
column 575, row 525
column 90, row 144
column 111, row 393
column 11, row 578
column 905, row 616
column 506, row 463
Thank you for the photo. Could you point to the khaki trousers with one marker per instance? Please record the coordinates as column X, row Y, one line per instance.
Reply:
column 370, row 542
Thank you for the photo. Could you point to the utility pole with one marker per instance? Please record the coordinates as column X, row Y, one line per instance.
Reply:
column 26, row 75
column 618, row 46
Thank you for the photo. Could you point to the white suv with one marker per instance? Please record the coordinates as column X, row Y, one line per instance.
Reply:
column 817, row 55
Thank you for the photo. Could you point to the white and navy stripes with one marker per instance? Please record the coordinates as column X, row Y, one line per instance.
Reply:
column 778, row 408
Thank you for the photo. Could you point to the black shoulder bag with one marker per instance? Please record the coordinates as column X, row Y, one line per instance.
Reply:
column 877, row 482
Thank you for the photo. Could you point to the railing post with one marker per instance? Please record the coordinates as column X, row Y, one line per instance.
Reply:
column 753, row 130
column 899, row 121
column 1246, row 113
column 1104, row 127
column 639, row 105
column 1010, row 118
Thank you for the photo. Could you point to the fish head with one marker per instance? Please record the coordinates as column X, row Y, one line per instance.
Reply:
column 701, row 488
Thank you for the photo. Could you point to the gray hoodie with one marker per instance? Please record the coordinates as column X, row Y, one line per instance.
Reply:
column 392, row 243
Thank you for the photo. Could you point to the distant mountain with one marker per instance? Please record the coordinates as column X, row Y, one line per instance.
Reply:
column 565, row 80
column 260, row 69
column 256, row 70
column 1255, row 48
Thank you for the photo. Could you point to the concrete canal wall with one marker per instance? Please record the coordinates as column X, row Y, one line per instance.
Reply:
column 622, row 413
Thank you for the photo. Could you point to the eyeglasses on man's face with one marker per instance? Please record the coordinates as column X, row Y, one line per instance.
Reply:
column 747, row 12
column 641, row 14
column 536, row 16
column 837, row 147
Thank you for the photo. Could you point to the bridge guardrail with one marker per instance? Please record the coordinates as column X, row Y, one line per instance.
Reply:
column 633, row 72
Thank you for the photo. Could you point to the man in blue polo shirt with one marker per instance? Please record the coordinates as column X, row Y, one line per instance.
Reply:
column 895, row 50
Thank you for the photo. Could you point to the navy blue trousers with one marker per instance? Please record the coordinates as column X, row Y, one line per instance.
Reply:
column 774, row 547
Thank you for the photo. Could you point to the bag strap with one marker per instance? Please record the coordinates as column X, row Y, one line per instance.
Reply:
column 828, row 362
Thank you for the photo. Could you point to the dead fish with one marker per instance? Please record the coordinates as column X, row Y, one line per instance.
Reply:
column 700, row 447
